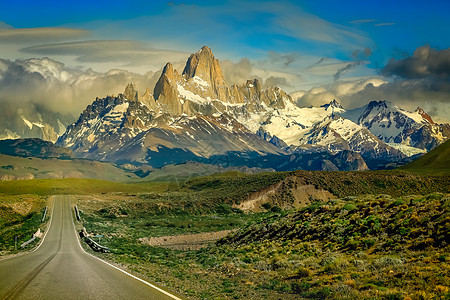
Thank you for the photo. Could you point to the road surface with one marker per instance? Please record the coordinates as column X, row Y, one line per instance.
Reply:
column 60, row 269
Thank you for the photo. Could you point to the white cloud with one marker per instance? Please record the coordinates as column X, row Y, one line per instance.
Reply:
column 60, row 88
column 132, row 55
column 432, row 96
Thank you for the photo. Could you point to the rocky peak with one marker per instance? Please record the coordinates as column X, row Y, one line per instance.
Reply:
column 166, row 92
column 381, row 104
column 131, row 93
column 148, row 99
column 424, row 115
column 254, row 83
column 204, row 65
column 166, row 79
column 332, row 104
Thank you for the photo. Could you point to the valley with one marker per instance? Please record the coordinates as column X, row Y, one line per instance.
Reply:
column 252, row 149
column 372, row 236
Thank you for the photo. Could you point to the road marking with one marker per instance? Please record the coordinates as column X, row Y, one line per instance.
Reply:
column 117, row 268
column 41, row 241
column 18, row 289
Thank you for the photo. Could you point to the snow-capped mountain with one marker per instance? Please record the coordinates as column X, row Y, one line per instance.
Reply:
column 31, row 121
column 398, row 127
column 336, row 134
column 196, row 116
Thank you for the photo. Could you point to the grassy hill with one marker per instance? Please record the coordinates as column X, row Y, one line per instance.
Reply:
column 74, row 186
column 14, row 167
column 371, row 247
column 437, row 161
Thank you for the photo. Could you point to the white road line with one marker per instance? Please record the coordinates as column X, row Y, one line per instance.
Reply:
column 117, row 268
column 41, row 241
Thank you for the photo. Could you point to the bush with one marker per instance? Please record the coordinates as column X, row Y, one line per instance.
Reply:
column 224, row 209
column 303, row 272
column 301, row 287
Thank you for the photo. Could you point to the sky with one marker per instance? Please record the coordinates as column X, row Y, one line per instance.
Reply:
column 354, row 51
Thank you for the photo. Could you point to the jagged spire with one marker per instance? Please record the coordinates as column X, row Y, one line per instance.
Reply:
column 131, row 93
column 333, row 104
column 204, row 65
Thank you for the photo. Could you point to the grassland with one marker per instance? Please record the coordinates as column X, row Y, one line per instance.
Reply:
column 379, row 240
column 47, row 187
column 14, row 167
column 21, row 216
column 437, row 161
column 365, row 247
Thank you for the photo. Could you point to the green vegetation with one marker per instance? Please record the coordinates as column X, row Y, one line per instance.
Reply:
column 360, row 246
column 364, row 247
column 75, row 186
column 232, row 187
column 19, row 216
column 437, row 161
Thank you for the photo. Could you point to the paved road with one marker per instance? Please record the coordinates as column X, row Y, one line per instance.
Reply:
column 60, row 269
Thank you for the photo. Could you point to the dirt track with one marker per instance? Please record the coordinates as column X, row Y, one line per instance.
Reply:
column 186, row 241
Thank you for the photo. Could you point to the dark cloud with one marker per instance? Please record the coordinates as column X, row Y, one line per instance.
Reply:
column 321, row 60
column 346, row 68
column 60, row 88
column 362, row 54
column 425, row 62
column 285, row 59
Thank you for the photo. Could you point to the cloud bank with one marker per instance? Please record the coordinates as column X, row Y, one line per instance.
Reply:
column 132, row 55
column 422, row 79
column 424, row 63
column 30, row 35
column 60, row 88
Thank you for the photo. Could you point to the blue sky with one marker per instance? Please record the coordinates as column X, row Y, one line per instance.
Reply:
column 301, row 45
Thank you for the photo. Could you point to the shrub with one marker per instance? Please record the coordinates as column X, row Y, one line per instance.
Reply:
column 301, row 287
column 303, row 272
column 349, row 206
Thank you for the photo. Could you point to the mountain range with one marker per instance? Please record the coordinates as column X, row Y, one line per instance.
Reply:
column 195, row 116
column 30, row 120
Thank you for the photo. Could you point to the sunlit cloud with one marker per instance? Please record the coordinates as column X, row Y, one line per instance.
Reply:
column 61, row 88
column 30, row 35
column 121, row 53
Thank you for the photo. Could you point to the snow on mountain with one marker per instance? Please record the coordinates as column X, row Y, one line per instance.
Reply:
column 106, row 125
column 31, row 121
column 398, row 126
column 337, row 134
column 196, row 116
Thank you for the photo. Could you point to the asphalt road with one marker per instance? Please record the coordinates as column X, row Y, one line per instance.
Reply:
column 60, row 269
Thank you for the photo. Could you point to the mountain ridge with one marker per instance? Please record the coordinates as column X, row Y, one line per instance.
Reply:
column 270, row 123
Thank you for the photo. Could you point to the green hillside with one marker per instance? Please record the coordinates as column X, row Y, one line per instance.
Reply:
column 437, row 161
column 15, row 167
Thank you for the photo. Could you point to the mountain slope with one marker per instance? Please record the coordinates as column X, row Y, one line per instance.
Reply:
column 435, row 161
column 19, row 168
column 33, row 148
column 195, row 116
column 397, row 126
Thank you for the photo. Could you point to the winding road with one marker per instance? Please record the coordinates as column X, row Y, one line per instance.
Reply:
column 60, row 269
